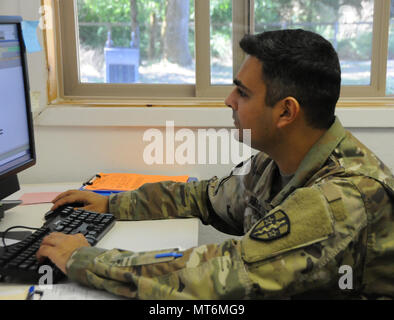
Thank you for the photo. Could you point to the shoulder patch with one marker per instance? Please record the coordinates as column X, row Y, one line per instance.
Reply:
column 308, row 214
column 275, row 226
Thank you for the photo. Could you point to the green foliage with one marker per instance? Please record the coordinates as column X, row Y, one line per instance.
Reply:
column 117, row 11
column 359, row 48
column 221, row 20
column 104, row 10
column 269, row 15
column 221, row 15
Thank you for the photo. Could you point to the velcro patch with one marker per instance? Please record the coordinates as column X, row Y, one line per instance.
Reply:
column 310, row 217
column 275, row 226
column 334, row 198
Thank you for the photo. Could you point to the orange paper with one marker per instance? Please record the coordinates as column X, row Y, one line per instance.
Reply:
column 128, row 181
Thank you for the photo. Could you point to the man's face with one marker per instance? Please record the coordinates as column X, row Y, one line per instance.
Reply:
column 250, row 111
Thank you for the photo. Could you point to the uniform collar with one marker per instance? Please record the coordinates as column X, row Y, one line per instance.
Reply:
column 314, row 160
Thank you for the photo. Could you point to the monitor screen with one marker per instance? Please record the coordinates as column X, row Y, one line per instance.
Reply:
column 16, row 130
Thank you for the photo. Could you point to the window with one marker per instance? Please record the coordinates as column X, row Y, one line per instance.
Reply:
column 136, row 41
column 187, row 50
column 220, row 42
column 348, row 28
column 390, row 58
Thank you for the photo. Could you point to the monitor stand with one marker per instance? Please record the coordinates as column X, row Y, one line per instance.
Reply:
column 14, row 235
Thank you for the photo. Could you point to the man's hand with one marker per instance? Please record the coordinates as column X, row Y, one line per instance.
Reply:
column 91, row 200
column 58, row 247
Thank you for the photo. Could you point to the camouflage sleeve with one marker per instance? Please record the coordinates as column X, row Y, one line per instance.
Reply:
column 205, row 272
column 162, row 200
column 299, row 247
column 217, row 202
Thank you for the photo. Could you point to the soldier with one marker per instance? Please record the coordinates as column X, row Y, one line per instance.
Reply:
column 313, row 201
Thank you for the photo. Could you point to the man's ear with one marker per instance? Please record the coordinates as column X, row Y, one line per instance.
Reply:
column 289, row 111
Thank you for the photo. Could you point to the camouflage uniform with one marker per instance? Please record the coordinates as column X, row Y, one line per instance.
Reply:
column 336, row 210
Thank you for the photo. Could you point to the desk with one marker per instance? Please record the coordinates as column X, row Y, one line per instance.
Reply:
column 128, row 235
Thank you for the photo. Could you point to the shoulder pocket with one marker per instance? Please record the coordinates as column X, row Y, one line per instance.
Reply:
column 304, row 218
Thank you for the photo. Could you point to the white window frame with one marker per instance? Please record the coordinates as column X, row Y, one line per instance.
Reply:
column 65, row 88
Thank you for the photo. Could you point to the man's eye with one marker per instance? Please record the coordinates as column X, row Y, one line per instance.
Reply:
column 241, row 93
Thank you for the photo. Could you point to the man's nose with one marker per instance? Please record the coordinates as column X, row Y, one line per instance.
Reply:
column 229, row 101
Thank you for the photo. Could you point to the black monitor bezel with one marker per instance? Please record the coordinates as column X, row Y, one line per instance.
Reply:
column 18, row 21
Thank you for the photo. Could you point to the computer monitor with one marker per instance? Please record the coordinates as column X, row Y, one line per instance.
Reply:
column 17, row 150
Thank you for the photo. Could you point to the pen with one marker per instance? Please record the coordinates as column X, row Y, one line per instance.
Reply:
column 169, row 254
column 30, row 293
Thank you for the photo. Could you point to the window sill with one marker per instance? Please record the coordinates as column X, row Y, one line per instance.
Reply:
column 187, row 117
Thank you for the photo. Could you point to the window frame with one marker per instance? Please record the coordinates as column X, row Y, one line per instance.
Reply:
column 64, row 86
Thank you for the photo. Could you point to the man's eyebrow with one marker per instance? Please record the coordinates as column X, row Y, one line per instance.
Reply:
column 238, row 83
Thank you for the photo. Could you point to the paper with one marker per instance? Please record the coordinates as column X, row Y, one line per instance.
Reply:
column 74, row 291
column 38, row 197
column 128, row 181
column 29, row 30
column 13, row 292
column 8, row 242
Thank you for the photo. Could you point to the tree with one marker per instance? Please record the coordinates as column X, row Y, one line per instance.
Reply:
column 135, row 28
column 276, row 11
column 176, row 32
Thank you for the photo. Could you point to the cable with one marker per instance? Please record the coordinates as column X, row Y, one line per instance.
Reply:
column 15, row 227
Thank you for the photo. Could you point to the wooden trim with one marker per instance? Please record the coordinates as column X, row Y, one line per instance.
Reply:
column 251, row 17
column 68, row 29
column 385, row 102
column 382, row 45
column 240, row 28
column 50, row 50
column 203, row 49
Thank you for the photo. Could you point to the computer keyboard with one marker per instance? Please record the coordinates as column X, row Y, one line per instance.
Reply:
column 18, row 262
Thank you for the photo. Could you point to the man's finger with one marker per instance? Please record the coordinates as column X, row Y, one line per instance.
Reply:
column 45, row 251
column 67, row 199
column 51, row 253
column 53, row 239
column 62, row 195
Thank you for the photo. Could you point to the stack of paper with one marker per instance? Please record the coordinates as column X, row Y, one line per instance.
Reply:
column 118, row 182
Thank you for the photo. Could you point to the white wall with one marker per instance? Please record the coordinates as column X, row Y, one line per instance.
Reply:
column 76, row 153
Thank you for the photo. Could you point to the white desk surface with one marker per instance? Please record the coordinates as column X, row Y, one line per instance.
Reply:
column 127, row 235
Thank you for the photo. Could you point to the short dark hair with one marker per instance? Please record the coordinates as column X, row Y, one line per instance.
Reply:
column 301, row 64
